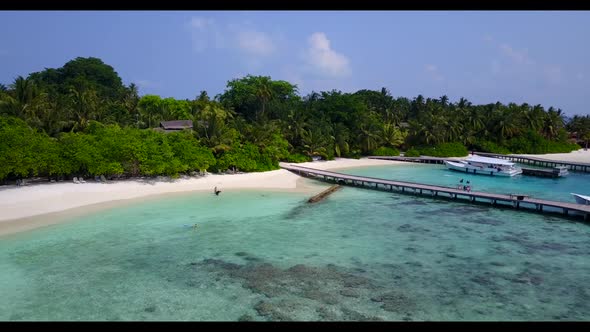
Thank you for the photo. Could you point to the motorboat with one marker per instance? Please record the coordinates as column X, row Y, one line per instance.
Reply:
column 560, row 170
column 484, row 165
column 581, row 199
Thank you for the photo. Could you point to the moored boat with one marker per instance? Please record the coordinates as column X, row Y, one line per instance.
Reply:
column 484, row 165
column 560, row 170
column 582, row 199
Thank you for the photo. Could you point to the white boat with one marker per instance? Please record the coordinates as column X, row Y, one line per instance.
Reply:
column 484, row 165
column 581, row 199
column 560, row 170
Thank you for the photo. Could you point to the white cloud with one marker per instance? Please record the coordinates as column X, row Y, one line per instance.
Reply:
column 520, row 57
column 255, row 43
column 323, row 58
column 433, row 71
column 495, row 67
column 517, row 63
column 553, row 74
column 292, row 74
column 201, row 22
column 204, row 33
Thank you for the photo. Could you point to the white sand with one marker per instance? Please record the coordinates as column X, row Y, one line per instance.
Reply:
column 579, row 156
column 41, row 199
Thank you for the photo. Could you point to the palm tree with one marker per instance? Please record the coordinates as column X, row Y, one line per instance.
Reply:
column 21, row 99
column 261, row 134
column 444, row 100
column 463, row 103
column 52, row 117
column 506, row 125
column 532, row 117
column 315, row 141
column 131, row 99
column 392, row 136
column 392, row 116
column 552, row 123
column 83, row 103
column 264, row 92
column 368, row 137
column 220, row 136
column 340, row 135
column 211, row 111
column 296, row 123
column 421, row 133
column 580, row 125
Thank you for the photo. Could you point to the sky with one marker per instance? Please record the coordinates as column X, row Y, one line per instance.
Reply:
column 537, row 57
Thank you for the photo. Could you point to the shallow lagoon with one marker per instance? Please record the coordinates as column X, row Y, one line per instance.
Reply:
column 254, row 255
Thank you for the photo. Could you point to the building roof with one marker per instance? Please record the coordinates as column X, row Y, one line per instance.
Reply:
column 176, row 124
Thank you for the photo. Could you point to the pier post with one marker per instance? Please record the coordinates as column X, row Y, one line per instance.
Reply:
column 565, row 211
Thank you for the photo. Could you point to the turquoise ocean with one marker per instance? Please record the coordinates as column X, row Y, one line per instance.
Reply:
column 260, row 255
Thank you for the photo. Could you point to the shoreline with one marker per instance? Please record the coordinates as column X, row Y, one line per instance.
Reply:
column 40, row 205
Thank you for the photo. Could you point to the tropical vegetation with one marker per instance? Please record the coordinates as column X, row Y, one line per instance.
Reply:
column 81, row 120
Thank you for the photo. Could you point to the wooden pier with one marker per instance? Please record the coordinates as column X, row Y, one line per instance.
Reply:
column 516, row 201
column 581, row 167
column 549, row 172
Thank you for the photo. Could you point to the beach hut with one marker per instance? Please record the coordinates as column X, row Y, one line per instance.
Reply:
column 176, row 125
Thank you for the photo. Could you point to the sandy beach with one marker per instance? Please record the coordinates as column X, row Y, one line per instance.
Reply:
column 579, row 156
column 39, row 205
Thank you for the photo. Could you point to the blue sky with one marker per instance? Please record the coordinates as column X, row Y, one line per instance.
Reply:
column 486, row 56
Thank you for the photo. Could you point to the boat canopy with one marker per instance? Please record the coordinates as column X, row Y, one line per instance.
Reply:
column 487, row 160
